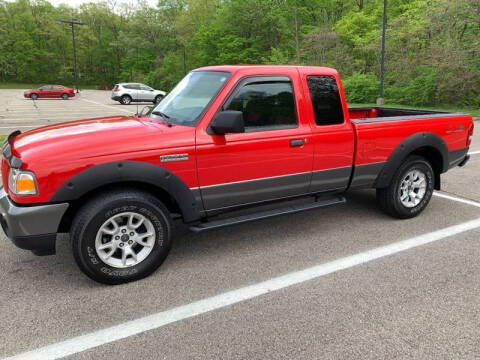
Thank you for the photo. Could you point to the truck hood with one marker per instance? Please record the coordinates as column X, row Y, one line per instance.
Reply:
column 98, row 137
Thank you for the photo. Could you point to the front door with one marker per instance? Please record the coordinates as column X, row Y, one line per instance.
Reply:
column 271, row 160
column 44, row 91
column 147, row 93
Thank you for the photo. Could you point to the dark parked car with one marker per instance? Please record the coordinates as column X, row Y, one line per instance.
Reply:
column 50, row 91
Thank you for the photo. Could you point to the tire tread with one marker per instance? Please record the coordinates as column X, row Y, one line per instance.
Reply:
column 91, row 208
column 386, row 197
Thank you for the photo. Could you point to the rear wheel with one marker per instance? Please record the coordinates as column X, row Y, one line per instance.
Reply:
column 121, row 236
column 410, row 190
column 34, row 96
column 65, row 96
column 126, row 99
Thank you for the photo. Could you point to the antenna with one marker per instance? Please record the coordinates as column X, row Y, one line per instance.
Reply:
column 137, row 98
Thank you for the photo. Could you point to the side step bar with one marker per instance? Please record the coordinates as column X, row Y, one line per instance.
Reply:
column 267, row 214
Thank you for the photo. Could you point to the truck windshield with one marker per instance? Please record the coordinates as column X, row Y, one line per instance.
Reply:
column 186, row 103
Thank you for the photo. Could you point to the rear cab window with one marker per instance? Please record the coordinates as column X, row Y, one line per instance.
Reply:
column 326, row 101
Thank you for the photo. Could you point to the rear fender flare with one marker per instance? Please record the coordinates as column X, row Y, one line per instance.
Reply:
column 130, row 171
column 408, row 146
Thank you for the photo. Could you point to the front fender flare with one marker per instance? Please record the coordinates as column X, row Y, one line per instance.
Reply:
column 130, row 171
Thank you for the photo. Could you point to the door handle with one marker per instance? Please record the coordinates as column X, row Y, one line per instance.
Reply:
column 296, row 142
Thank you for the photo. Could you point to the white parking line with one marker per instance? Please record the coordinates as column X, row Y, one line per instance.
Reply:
column 474, row 152
column 130, row 328
column 458, row 199
column 112, row 107
column 22, row 126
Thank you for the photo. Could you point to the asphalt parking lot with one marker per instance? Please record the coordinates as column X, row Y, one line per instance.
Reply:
column 401, row 300
column 16, row 112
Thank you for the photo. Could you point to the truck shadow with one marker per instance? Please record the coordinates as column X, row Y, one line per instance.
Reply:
column 190, row 248
column 272, row 232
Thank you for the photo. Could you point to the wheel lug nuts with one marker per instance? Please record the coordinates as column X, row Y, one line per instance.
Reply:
column 121, row 244
column 131, row 234
column 130, row 242
column 117, row 237
column 124, row 231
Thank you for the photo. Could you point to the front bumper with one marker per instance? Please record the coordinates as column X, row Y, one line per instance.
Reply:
column 31, row 227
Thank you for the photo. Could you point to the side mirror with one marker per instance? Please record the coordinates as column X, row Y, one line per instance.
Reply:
column 145, row 110
column 226, row 122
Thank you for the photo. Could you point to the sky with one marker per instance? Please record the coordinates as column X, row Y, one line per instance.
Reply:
column 79, row 2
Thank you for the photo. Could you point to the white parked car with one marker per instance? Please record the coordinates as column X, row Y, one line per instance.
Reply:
column 125, row 93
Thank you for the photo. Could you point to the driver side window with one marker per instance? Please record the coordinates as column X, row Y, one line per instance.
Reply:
column 266, row 105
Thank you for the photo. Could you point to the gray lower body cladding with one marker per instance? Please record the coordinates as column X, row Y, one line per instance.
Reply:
column 331, row 179
column 364, row 176
column 31, row 227
column 217, row 197
column 456, row 157
column 254, row 191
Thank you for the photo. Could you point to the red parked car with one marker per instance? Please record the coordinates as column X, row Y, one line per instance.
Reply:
column 49, row 92
column 226, row 137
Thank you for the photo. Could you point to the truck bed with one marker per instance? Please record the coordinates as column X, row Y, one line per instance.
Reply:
column 376, row 114
column 380, row 131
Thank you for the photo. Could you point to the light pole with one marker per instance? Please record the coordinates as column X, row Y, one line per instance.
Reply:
column 381, row 100
column 72, row 24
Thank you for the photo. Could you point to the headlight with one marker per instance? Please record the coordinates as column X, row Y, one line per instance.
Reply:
column 22, row 182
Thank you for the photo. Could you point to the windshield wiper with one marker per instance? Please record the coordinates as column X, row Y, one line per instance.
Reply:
column 164, row 117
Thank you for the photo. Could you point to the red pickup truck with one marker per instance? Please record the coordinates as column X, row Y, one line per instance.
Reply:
column 226, row 137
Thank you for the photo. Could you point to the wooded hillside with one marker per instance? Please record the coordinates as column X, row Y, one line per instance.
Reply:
column 433, row 46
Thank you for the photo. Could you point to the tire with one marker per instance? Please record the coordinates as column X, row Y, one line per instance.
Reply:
column 34, row 96
column 87, row 239
column 407, row 180
column 65, row 96
column 126, row 99
column 158, row 98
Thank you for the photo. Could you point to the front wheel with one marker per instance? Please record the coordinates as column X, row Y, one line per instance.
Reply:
column 158, row 98
column 410, row 190
column 121, row 236
column 65, row 96
column 34, row 96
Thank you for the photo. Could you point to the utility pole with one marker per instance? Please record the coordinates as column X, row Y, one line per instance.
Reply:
column 184, row 60
column 381, row 99
column 72, row 24
column 297, row 51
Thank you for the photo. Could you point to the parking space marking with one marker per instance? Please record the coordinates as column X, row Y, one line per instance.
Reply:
column 474, row 152
column 458, row 199
column 15, row 126
column 109, row 106
column 134, row 327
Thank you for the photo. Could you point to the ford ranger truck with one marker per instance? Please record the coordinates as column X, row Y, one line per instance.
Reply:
column 225, row 138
